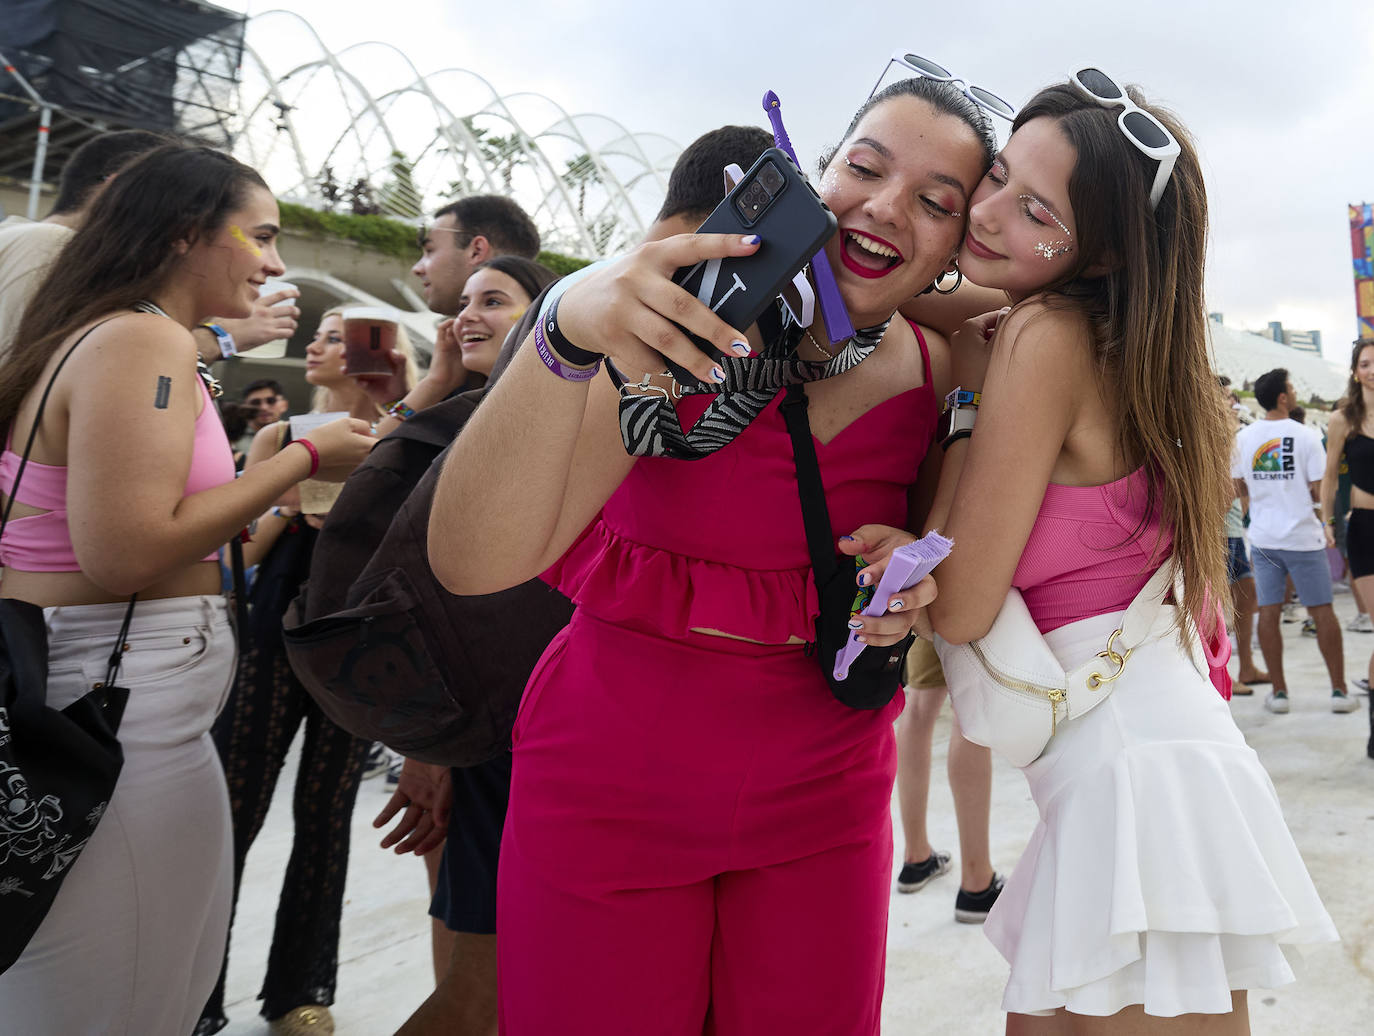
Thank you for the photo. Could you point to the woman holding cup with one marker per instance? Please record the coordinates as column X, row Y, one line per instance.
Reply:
column 260, row 720
column 130, row 489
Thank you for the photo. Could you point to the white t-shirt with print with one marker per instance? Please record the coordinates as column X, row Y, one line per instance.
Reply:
column 1279, row 460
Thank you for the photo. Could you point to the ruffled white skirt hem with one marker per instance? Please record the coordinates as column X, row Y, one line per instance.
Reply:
column 1161, row 872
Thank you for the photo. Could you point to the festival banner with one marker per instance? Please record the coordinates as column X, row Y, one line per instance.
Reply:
column 1362, row 252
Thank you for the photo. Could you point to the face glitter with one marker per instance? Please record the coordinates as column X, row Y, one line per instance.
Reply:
column 236, row 232
column 1053, row 250
column 1030, row 199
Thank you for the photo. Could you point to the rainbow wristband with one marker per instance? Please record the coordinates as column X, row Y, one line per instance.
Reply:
column 400, row 410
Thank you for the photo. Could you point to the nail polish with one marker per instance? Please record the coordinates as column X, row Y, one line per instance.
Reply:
column 895, row 606
column 717, row 375
column 741, row 348
column 865, row 579
column 855, row 624
column 751, row 239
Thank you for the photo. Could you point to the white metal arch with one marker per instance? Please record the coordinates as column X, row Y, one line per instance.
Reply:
column 343, row 123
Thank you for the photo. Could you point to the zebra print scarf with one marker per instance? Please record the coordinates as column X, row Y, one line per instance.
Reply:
column 649, row 424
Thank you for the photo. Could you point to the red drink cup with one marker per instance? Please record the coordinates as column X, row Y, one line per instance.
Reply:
column 369, row 339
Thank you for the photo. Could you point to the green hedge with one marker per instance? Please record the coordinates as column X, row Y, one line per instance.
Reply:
column 386, row 236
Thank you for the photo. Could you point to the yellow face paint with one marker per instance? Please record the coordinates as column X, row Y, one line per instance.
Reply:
column 236, row 232
column 518, row 314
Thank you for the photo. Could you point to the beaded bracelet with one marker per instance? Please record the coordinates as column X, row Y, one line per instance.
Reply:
column 314, row 455
column 400, row 410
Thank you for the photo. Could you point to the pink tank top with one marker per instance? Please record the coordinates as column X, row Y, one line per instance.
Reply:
column 655, row 560
column 1091, row 550
column 43, row 543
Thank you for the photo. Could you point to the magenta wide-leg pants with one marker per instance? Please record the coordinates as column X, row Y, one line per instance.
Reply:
column 699, row 841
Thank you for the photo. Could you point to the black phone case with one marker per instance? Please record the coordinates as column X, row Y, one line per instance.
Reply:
column 793, row 227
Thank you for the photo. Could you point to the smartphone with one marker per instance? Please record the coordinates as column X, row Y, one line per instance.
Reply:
column 774, row 201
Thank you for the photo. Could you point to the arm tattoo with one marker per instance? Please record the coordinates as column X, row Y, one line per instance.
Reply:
column 164, row 392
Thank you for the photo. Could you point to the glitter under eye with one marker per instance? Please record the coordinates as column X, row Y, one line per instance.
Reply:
column 1031, row 199
column 1053, row 250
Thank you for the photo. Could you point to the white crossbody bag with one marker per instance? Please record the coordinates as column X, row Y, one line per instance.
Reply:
column 1011, row 692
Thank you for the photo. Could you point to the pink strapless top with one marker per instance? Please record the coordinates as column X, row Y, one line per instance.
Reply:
column 1091, row 550
column 658, row 560
column 43, row 543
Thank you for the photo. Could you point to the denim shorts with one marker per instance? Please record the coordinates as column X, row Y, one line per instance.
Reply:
column 1237, row 562
column 1310, row 570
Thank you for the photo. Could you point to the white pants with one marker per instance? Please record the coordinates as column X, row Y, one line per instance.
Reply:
column 134, row 939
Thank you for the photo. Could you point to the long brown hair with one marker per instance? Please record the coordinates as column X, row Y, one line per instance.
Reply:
column 1352, row 406
column 1150, row 324
column 124, row 252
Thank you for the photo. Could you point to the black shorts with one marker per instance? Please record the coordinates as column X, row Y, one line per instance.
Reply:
column 465, row 893
column 1359, row 542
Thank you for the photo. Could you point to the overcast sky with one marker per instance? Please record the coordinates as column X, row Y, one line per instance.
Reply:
column 1279, row 95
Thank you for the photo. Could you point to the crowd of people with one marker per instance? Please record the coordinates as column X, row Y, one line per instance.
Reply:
column 678, row 764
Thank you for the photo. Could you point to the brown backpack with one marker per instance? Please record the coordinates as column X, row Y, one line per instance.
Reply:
column 385, row 650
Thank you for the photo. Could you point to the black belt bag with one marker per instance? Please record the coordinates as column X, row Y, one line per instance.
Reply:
column 876, row 674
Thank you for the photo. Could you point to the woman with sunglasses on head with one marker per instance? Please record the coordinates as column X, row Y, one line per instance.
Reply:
column 1119, row 915
column 130, row 489
column 699, row 834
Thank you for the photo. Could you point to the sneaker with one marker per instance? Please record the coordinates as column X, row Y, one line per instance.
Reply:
column 1342, row 702
column 378, row 759
column 1290, row 613
column 1340, row 587
column 1361, row 623
column 393, row 771
column 973, row 907
column 916, row 876
column 1309, row 627
column 1277, row 701
column 1361, row 686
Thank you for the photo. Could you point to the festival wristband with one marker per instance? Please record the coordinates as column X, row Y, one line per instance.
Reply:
column 556, row 365
column 314, row 454
column 558, row 343
column 400, row 410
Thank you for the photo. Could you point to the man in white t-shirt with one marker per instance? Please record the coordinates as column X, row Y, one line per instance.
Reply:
column 1277, row 467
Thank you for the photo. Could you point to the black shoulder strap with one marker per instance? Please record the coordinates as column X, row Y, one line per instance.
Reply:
column 815, row 514
column 37, row 420
column 115, row 656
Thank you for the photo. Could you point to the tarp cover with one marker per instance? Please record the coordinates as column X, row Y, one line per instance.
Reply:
column 161, row 64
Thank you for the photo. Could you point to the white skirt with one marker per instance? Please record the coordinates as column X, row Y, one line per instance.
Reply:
column 1161, row 872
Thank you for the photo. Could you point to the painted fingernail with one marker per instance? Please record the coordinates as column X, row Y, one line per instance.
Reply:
column 895, row 606
column 865, row 579
column 741, row 348
column 843, row 538
column 855, row 624
column 717, row 375
column 751, row 239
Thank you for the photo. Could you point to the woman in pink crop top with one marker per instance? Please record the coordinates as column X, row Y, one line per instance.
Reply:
column 129, row 489
column 1099, row 453
column 697, row 829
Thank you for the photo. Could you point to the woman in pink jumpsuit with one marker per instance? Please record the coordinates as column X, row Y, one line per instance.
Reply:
column 699, row 836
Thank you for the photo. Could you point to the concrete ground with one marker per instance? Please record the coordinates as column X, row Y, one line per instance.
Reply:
column 942, row 977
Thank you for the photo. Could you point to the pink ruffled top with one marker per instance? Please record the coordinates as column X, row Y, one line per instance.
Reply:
column 43, row 543
column 1091, row 550
column 718, row 543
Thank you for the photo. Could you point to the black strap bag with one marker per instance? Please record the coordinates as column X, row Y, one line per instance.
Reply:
column 875, row 675
column 57, row 768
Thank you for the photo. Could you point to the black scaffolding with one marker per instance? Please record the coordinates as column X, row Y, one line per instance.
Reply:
column 80, row 67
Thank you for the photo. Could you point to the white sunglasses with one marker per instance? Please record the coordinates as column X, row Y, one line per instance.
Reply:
column 927, row 69
column 1150, row 136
